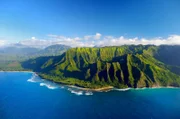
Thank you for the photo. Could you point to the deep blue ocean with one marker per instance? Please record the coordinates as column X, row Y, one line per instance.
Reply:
column 26, row 96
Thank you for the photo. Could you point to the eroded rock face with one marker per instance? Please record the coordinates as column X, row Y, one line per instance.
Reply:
column 124, row 66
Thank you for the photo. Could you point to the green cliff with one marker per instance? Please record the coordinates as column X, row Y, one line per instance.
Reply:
column 121, row 67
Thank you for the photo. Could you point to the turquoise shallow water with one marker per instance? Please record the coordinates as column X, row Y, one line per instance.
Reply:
column 26, row 96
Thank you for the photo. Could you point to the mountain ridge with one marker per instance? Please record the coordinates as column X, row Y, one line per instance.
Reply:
column 121, row 67
column 11, row 56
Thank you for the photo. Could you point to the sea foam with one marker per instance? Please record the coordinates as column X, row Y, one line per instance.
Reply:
column 48, row 85
column 34, row 78
column 76, row 92
column 124, row 89
column 88, row 93
column 31, row 80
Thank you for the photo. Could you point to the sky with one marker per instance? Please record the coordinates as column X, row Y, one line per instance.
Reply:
column 81, row 23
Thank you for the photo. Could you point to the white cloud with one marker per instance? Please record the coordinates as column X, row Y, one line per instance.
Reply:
column 33, row 38
column 96, row 40
column 73, row 42
column 77, row 38
column 2, row 42
column 97, row 36
column 87, row 37
column 33, row 42
column 112, row 41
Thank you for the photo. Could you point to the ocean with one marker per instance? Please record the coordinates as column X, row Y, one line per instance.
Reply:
column 23, row 95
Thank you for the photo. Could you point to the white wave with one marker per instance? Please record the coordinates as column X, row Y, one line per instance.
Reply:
column 124, row 89
column 144, row 88
column 88, row 93
column 52, row 87
column 34, row 78
column 77, row 92
column 31, row 80
column 159, row 87
column 42, row 84
column 69, row 89
column 49, row 86
column 62, row 86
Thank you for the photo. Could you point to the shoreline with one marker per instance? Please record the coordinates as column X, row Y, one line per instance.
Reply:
column 102, row 89
column 107, row 88
column 111, row 88
column 18, row 71
column 159, row 87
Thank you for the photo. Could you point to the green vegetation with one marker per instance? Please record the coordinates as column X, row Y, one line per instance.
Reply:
column 73, row 81
column 12, row 56
column 11, row 66
column 20, row 52
column 52, row 50
column 121, row 67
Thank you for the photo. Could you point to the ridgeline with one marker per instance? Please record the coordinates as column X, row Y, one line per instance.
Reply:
column 120, row 67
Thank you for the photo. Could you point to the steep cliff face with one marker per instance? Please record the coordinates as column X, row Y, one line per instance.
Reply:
column 124, row 66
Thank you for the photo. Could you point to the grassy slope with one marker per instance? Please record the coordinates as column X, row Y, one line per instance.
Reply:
column 11, row 57
column 125, row 66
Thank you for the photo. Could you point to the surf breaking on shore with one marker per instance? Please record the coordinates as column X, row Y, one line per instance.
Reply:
column 52, row 85
column 79, row 90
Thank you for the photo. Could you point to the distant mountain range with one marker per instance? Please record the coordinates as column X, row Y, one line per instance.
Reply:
column 12, row 56
column 21, row 52
column 121, row 67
